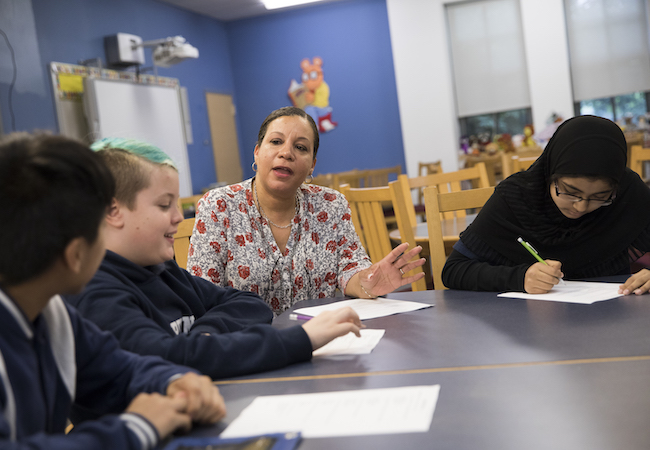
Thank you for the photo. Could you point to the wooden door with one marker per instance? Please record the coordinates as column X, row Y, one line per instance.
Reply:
column 221, row 114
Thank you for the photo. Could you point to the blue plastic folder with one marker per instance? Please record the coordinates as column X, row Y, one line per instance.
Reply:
column 280, row 441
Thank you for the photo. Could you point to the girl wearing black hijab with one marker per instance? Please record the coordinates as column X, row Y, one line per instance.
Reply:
column 579, row 206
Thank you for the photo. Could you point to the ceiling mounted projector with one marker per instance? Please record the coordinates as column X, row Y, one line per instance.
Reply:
column 123, row 50
column 172, row 51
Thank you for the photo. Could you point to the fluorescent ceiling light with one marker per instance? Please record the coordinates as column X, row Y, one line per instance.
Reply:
column 275, row 4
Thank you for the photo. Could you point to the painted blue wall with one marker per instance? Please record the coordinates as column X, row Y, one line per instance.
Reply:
column 253, row 60
column 352, row 38
column 27, row 104
column 71, row 30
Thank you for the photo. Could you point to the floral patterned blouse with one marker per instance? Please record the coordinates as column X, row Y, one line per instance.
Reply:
column 232, row 245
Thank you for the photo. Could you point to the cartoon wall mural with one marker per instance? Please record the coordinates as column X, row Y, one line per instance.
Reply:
column 313, row 94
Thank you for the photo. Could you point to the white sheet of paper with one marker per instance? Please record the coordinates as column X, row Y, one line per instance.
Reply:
column 344, row 413
column 350, row 344
column 584, row 292
column 367, row 309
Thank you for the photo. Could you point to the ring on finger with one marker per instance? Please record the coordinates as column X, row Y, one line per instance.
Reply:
column 401, row 271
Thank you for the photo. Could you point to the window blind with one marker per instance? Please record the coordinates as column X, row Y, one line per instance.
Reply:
column 608, row 47
column 488, row 56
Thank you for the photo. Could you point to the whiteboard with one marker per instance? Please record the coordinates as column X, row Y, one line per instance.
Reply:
column 150, row 113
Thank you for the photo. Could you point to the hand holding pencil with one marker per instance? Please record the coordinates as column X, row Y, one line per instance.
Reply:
column 543, row 275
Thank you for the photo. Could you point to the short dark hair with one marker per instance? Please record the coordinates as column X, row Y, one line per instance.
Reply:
column 289, row 111
column 52, row 190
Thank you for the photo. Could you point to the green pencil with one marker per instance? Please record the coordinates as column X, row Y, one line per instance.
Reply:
column 533, row 252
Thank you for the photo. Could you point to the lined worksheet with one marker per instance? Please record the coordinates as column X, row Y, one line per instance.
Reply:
column 406, row 409
column 367, row 308
column 584, row 292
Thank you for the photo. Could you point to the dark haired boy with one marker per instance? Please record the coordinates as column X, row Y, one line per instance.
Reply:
column 54, row 194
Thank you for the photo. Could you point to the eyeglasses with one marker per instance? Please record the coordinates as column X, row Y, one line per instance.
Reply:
column 575, row 199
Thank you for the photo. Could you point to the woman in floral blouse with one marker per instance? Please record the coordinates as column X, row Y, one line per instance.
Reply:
column 285, row 240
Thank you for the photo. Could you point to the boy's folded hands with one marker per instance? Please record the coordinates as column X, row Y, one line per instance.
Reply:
column 190, row 399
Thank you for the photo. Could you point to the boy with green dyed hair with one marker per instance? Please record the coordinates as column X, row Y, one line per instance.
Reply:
column 156, row 308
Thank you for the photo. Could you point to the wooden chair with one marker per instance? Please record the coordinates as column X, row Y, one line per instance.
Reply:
column 523, row 163
column 323, row 179
column 182, row 242
column 446, row 182
column 366, row 205
column 436, row 203
column 506, row 164
column 513, row 163
column 633, row 138
column 380, row 177
column 492, row 165
column 406, row 226
column 639, row 155
column 526, row 152
column 354, row 178
column 428, row 168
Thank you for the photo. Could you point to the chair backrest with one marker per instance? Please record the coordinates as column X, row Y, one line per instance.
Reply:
column 514, row 162
column 522, row 163
column 446, row 182
column 436, row 203
column 323, row 179
column 366, row 206
column 529, row 151
column 368, row 218
column 182, row 242
column 506, row 164
column 380, row 177
column 354, row 178
column 428, row 168
column 638, row 155
column 405, row 226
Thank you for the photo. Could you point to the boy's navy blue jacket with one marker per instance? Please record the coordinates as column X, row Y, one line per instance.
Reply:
column 59, row 360
column 163, row 310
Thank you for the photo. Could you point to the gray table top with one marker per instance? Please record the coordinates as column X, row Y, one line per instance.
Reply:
column 589, row 405
column 513, row 373
column 478, row 328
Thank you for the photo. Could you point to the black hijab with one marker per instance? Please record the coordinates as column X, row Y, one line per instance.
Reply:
column 596, row 244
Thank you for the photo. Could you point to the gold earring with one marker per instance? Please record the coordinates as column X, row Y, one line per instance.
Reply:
column 311, row 178
column 254, row 166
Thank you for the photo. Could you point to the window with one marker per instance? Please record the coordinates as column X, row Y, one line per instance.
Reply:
column 511, row 122
column 488, row 57
column 610, row 56
column 489, row 63
column 616, row 108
